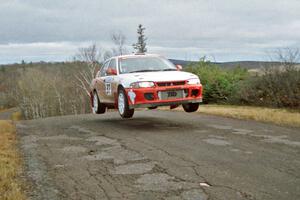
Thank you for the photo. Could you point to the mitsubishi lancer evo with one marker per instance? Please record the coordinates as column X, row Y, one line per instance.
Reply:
column 143, row 81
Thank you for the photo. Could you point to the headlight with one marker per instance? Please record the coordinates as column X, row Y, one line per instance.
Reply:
column 143, row 84
column 193, row 81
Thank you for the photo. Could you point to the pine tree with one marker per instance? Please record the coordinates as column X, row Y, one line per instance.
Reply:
column 140, row 46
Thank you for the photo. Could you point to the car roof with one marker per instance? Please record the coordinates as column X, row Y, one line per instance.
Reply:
column 137, row 55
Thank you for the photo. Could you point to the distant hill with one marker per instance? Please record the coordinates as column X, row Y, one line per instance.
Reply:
column 243, row 64
column 181, row 62
column 247, row 64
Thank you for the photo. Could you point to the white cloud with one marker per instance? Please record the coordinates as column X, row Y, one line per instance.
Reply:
column 40, row 51
column 228, row 29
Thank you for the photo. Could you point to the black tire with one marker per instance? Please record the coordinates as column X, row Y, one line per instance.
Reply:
column 125, row 112
column 190, row 107
column 101, row 108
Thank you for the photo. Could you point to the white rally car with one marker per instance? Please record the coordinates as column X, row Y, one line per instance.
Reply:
column 143, row 81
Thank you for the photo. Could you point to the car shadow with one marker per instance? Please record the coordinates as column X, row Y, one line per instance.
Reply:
column 144, row 124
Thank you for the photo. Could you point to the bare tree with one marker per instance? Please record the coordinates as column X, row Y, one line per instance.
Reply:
column 108, row 54
column 119, row 40
column 35, row 94
column 43, row 92
column 288, row 57
column 281, row 59
column 92, row 57
column 59, row 95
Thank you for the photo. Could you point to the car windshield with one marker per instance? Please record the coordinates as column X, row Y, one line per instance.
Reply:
column 144, row 64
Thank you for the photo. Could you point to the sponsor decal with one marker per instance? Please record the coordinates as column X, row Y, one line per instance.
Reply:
column 132, row 96
column 108, row 88
column 109, row 79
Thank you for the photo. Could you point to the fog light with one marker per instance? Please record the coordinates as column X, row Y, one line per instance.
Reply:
column 149, row 96
column 195, row 93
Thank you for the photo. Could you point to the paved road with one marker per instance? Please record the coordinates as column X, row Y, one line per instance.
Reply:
column 159, row 155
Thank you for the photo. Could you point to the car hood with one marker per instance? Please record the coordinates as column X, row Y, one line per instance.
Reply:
column 127, row 79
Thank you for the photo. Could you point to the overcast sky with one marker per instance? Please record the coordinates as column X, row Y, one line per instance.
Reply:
column 223, row 30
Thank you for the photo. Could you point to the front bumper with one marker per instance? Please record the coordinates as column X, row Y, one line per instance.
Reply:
column 137, row 96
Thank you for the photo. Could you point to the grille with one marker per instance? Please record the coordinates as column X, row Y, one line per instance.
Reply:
column 173, row 83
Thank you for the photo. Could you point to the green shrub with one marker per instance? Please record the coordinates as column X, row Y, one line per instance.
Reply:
column 219, row 84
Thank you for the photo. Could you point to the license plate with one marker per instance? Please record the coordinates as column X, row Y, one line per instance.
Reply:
column 171, row 94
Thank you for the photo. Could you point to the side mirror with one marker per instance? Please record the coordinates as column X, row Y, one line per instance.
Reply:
column 179, row 67
column 111, row 71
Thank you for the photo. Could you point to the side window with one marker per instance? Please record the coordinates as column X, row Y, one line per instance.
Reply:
column 112, row 64
column 103, row 69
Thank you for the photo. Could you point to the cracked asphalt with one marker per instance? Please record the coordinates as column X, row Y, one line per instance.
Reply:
column 159, row 155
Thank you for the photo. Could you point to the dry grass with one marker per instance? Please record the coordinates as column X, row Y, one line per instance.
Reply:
column 277, row 116
column 10, row 163
column 16, row 116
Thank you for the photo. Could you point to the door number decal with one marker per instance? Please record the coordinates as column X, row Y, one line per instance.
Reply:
column 108, row 88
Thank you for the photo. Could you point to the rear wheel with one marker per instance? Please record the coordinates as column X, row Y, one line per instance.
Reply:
column 98, row 108
column 190, row 107
column 123, row 106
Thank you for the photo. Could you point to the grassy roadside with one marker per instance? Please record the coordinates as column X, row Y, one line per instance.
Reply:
column 10, row 163
column 276, row 116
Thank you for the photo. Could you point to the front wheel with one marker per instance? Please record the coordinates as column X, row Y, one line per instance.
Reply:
column 190, row 107
column 123, row 106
